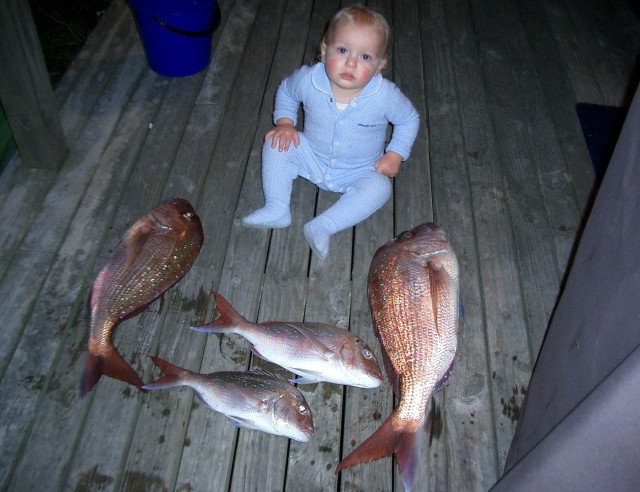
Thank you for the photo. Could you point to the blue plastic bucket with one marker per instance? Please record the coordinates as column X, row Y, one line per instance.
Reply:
column 176, row 34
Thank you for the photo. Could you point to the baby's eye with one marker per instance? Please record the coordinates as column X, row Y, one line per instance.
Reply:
column 342, row 51
column 366, row 57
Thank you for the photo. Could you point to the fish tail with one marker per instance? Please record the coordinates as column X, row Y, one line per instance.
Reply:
column 228, row 320
column 172, row 375
column 391, row 438
column 112, row 364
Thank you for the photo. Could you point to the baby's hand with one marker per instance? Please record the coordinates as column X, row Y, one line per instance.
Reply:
column 389, row 164
column 282, row 135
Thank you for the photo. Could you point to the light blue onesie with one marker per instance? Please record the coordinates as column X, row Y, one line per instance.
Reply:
column 337, row 152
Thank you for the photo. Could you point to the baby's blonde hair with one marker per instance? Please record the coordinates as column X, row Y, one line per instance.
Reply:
column 358, row 14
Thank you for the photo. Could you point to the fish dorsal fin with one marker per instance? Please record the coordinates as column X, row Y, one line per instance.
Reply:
column 259, row 371
column 327, row 353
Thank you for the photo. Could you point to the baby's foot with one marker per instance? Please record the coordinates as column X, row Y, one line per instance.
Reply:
column 318, row 237
column 268, row 218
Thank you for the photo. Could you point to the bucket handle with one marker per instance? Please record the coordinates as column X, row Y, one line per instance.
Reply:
column 189, row 34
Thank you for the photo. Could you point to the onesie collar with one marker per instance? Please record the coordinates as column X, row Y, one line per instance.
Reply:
column 321, row 82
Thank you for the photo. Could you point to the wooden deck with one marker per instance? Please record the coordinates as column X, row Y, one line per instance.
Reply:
column 500, row 162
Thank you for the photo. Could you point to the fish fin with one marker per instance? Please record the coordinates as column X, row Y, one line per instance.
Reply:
column 228, row 320
column 327, row 353
column 391, row 374
column 305, row 376
column 235, row 422
column 444, row 380
column 261, row 371
column 439, row 280
column 389, row 439
column 242, row 423
column 113, row 365
column 199, row 397
column 255, row 351
column 93, row 369
column 434, row 421
column 461, row 316
column 305, row 380
column 172, row 375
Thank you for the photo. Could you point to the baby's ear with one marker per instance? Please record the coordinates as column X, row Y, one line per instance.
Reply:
column 383, row 63
column 323, row 50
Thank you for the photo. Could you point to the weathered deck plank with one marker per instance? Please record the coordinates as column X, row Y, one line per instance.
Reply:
column 25, row 190
column 572, row 170
column 328, row 291
column 187, row 178
column 467, row 397
column 500, row 161
column 81, row 243
column 33, row 317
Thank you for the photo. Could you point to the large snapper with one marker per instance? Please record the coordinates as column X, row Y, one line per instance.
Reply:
column 251, row 399
column 414, row 301
column 156, row 252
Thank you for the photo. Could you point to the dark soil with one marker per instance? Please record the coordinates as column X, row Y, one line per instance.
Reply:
column 63, row 27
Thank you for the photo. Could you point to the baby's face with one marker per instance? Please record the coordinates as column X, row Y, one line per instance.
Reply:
column 352, row 57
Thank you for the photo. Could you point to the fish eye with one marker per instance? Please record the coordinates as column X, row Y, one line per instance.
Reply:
column 188, row 215
column 302, row 409
column 367, row 354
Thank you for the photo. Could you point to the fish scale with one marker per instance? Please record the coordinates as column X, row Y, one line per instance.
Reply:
column 413, row 296
column 314, row 351
column 251, row 399
column 155, row 252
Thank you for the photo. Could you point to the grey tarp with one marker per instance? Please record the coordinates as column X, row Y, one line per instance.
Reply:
column 580, row 425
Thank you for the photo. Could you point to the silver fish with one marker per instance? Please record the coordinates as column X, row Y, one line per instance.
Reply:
column 314, row 351
column 251, row 399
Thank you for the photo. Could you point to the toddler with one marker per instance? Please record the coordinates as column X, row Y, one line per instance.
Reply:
column 347, row 107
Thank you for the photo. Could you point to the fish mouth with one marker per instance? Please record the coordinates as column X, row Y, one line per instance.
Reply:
column 308, row 431
column 435, row 252
column 368, row 378
column 373, row 383
column 375, row 379
column 155, row 220
column 303, row 436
